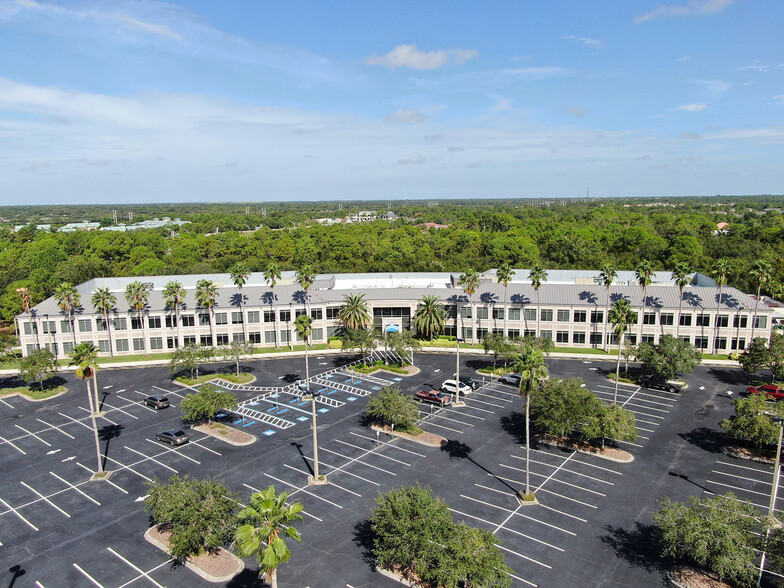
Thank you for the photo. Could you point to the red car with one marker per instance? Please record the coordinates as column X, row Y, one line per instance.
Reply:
column 434, row 396
column 770, row 390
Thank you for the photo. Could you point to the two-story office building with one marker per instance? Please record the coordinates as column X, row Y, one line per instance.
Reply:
column 570, row 307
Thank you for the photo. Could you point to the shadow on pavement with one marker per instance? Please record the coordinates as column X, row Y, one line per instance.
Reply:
column 514, row 424
column 363, row 538
column 638, row 546
column 730, row 376
column 246, row 579
column 705, row 438
column 458, row 450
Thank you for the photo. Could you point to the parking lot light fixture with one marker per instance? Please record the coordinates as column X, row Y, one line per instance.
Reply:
column 458, row 403
column 772, row 522
column 315, row 479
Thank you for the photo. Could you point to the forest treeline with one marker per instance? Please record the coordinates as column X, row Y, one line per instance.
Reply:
column 582, row 235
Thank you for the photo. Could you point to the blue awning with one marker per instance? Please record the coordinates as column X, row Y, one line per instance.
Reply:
column 393, row 328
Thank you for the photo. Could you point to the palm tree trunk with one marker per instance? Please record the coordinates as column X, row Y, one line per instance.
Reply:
column 754, row 320
column 144, row 331
column 618, row 370
column 307, row 370
column 606, row 321
column 680, row 313
column 95, row 390
column 527, row 444
column 73, row 326
column 95, row 426
column 506, row 309
column 212, row 329
column 272, row 578
column 642, row 314
column 538, row 313
column 109, row 333
column 179, row 327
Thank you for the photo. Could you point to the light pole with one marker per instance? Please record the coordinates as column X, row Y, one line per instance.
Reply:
column 315, row 479
column 457, row 401
column 773, row 492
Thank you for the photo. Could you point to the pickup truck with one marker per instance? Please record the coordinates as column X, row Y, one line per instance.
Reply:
column 651, row 381
column 770, row 390
column 434, row 396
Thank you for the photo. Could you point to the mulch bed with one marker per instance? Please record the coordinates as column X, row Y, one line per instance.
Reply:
column 749, row 453
column 689, row 577
column 229, row 435
column 606, row 452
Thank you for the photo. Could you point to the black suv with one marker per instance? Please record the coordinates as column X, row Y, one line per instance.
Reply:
column 157, row 401
column 651, row 381
column 470, row 382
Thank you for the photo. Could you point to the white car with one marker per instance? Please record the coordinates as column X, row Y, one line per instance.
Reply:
column 450, row 386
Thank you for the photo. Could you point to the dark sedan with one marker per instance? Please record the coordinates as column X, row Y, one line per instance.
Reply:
column 172, row 437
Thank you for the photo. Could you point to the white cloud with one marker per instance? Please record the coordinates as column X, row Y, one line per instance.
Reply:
column 683, row 58
column 146, row 27
column 692, row 107
column 418, row 160
column 410, row 56
column 587, row 41
column 690, row 8
column 780, row 98
column 714, row 86
column 577, row 111
column 501, row 105
column 406, row 116
column 756, row 66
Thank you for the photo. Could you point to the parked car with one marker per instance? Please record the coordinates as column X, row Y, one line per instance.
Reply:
column 157, row 401
column 651, row 381
column 172, row 437
column 451, row 387
column 470, row 382
column 770, row 390
column 510, row 379
column 433, row 396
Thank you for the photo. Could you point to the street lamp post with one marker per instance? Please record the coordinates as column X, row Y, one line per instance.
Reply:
column 315, row 479
column 457, row 401
column 773, row 492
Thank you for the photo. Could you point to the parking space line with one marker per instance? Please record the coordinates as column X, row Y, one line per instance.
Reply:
column 33, row 435
column 472, row 408
column 331, row 482
column 645, row 414
column 490, row 391
column 12, row 445
column 389, row 444
column 515, row 512
column 737, row 477
column 167, row 450
column 302, row 489
column 152, row 458
column 139, row 570
column 105, row 479
column 766, row 494
column 90, row 498
column 432, row 424
column 378, row 454
column 463, row 413
column 646, row 422
column 501, row 527
column 44, row 498
column 199, row 445
column 13, row 510
column 735, row 465
column 55, row 428
column 356, row 459
column 302, row 511
column 648, row 408
column 511, row 481
column 524, row 557
column 129, row 468
column 88, row 576
column 172, row 392
column 550, row 477
column 8, row 405
column 630, row 443
column 437, row 415
column 472, row 399
column 111, row 409
column 77, row 421
column 598, row 467
column 149, row 571
column 566, row 470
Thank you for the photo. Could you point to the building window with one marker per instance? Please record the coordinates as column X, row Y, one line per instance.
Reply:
column 580, row 316
column 316, row 314
column 468, row 333
column 597, row 316
column 206, row 340
column 450, row 310
column 631, row 338
column 498, row 331
column 154, row 322
column 514, row 314
column 121, row 344
column 666, row 319
column 596, row 338
column 236, row 318
column 269, row 337
column 103, row 346
column 740, row 320
column 332, row 312
column 171, row 342
column 318, row 334
column 68, row 346
column 761, row 322
column 171, row 321
column 701, row 342
column 546, row 334
column 238, row 338
column 156, row 343
column 285, row 336
column 720, row 343
column 253, row 317
column 480, row 334
column 31, row 348
column 685, row 339
column 498, row 313
column 85, row 325
column 703, row 320
column 530, row 314
column 269, row 316
column 29, row 328
column 562, row 336
column 685, row 320
column 723, row 320
column 136, row 322
column 482, row 312
column 546, row 315
column 514, row 333
column 648, row 339
column 221, row 318
column 65, row 326
column 254, row 338
column 285, row 316
column 50, row 327
column 738, row 343
column 52, row 347
column 138, row 344
column 188, row 320
column 223, row 339
column 204, row 319
column 299, row 312
column 465, row 311
column 649, row 318
column 189, row 340
column 578, row 337
column 333, row 330
column 563, row 316
column 100, row 324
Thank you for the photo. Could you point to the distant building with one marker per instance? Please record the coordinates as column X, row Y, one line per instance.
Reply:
column 428, row 226
column 82, row 226
column 722, row 228
column 18, row 228
column 363, row 216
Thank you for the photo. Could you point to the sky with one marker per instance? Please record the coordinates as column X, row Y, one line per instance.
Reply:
column 140, row 101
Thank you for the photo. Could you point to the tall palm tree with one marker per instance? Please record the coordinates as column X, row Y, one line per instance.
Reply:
column 532, row 368
column 306, row 275
column 86, row 372
column 136, row 294
column 264, row 524
column 355, row 313
column 537, row 275
column 644, row 274
column 206, row 297
column 271, row 276
column 239, row 275
column 174, row 294
column 504, row 275
column 68, row 300
column 607, row 276
column 304, row 326
column 681, row 274
column 429, row 317
column 85, row 355
column 469, row 281
column 621, row 316
column 24, row 294
column 104, row 301
column 719, row 272
column 761, row 273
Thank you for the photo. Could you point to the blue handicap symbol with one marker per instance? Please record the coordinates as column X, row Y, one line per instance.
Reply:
column 351, row 398
column 269, row 432
column 323, row 410
column 302, row 418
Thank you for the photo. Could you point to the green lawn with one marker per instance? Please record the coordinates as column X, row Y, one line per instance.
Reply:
column 232, row 377
column 34, row 392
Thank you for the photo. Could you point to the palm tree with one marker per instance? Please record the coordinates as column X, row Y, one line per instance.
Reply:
column 607, row 275
column 537, row 275
column 85, row 355
column 306, row 275
column 761, row 273
column 469, row 281
column 304, row 326
column 263, row 525
column 504, row 275
column 532, row 368
column 681, row 274
column 68, row 299
column 174, row 294
column 104, row 301
column 136, row 294
column 206, row 297
column 644, row 274
column 621, row 316
column 271, row 276
column 24, row 294
column 239, row 275
column 429, row 317
column 86, row 371
column 354, row 314
column 719, row 272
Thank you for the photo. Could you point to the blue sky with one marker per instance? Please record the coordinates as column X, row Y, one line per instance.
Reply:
column 143, row 101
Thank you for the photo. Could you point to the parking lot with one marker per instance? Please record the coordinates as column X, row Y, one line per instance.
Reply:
column 59, row 529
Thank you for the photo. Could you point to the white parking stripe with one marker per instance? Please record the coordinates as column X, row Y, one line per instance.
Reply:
column 454, row 510
column 524, row 557
column 55, row 428
column 432, row 424
column 471, row 398
column 303, row 490
column 378, row 454
column 77, row 421
column 139, row 570
column 200, row 446
column 88, row 576
column 462, row 412
column 437, row 415
column 737, row 477
column 647, row 408
column 160, row 565
column 8, row 405
column 105, row 480
column 516, row 513
column 356, row 459
column 147, row 457
column 388, row 444
column 735, row 465
column 331, row 482
column 33, row 435
column 766, row 494
column 129, row 468
column 90, row 498
column 166, row 450
column 44, row 498
column 12, row 445
column 550, row 477
column 13, row 510
column 576, row 473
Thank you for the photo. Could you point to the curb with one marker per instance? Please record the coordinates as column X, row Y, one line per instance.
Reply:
column 593, row 453
column 728, row 450
column 34, row 399
column 408, row 437
column 219, row 437
column 396, row 577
